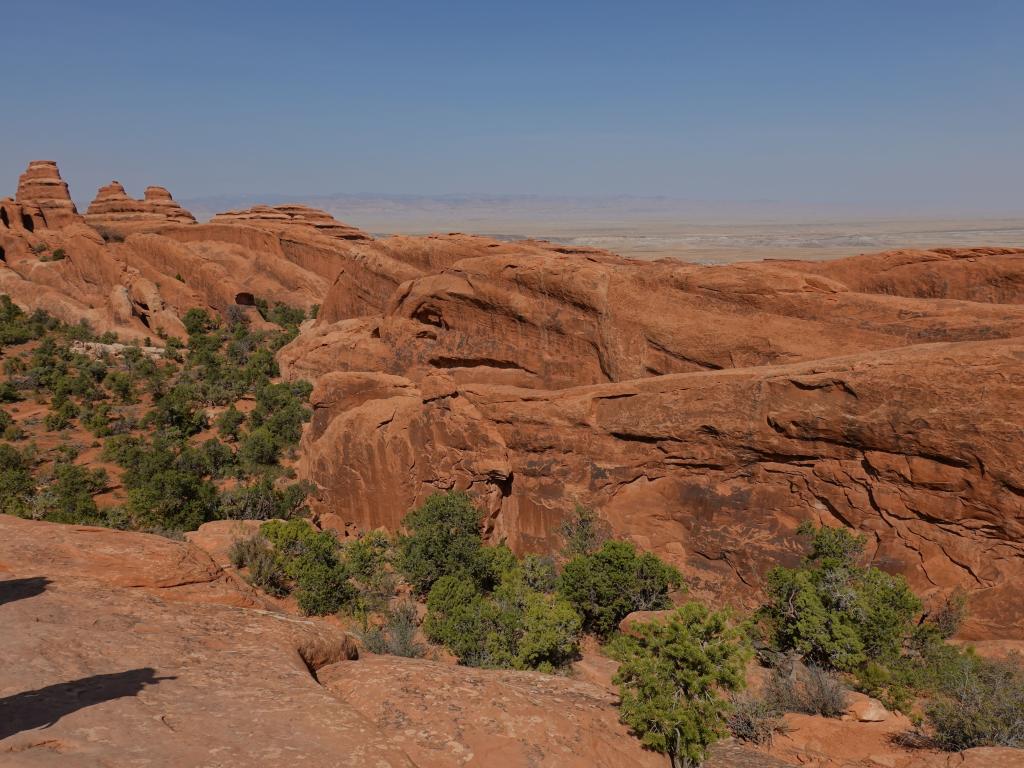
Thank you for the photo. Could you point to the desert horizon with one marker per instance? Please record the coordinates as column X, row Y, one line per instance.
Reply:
column 655, row 227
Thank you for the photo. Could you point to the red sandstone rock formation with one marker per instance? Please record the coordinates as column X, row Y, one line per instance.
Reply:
column 113, row 209
column 973, row 274
column 41, row 185
column 152, row 262
column 21, row 217
column 703, row 410
column 761, row 426
column 292, row 215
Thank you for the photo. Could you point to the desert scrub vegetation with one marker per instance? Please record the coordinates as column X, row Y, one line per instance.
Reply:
column 292, row 557
column 397, row 635
column 755, row 719
column 492, row 609
column 854, row 625
column 153, row 415
column 675, row 677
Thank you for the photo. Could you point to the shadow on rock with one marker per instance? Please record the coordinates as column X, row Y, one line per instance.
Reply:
column 19, row 589
column 45, row 706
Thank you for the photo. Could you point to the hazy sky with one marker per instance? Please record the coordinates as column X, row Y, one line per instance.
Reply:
column 902, row 102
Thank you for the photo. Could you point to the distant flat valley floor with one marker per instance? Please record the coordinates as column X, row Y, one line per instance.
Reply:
column 652, row 228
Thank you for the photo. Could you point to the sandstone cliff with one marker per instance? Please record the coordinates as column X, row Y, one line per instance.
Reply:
column 705, row 411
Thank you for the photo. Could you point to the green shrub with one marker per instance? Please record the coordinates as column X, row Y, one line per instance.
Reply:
column 283, row 315
column 611, row 583
column 178, row 409
column 949, row 615
column 539, row 573
column 516, row 627
column 217, row 459
column 16, row 327
column 61, row 417
column 673, row 677
column 17, row 486
column 834, row 612
column 9, row 393
column 368, row 559
column 544, row 634
column 120, row 385
column 256, row 554
column 229, row 422
column 262, row 500
column 197, row 321
column 323, row 589
column 443, row 540
column 309, row 558
column 8, row 427
column 259, row 448
column 69, row 497
column 165, row 479
column 280, row 411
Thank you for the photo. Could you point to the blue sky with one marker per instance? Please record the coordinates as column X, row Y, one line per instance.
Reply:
column 902, row 102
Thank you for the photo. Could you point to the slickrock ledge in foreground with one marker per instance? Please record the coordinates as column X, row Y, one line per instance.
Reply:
column 127, row 649
column 123, row 649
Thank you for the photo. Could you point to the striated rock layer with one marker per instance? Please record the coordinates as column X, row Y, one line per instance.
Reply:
column 112, row 209
column 41, row 185
column 291, row 215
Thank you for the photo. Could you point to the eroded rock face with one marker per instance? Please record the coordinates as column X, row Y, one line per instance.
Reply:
column 114, row 210
column 705, row 411
column 42, row 186
column 715, row 470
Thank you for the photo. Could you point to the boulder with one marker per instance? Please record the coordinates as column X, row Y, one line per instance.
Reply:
column 865, row 709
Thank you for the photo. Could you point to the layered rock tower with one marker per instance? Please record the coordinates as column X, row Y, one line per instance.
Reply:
column 41, row 185
column 113, row 207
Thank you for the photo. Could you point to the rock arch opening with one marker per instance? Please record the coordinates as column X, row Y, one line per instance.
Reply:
column 3, row 255
column 245, row 299
column 4, row 218
column 27, row 223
